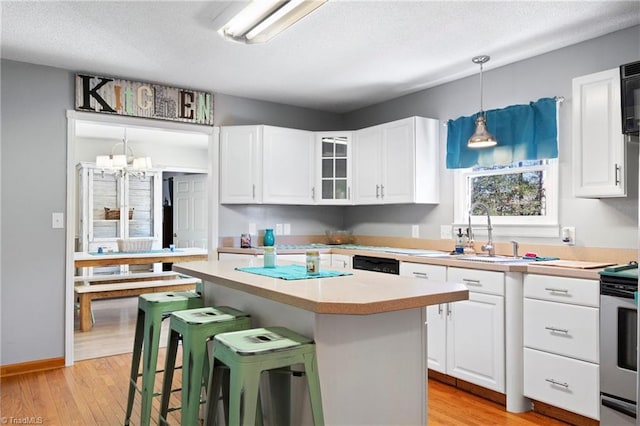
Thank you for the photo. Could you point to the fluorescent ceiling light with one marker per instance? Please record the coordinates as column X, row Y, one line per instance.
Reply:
column 262, row 20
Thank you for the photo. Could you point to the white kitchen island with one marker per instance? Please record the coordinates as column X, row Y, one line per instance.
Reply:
column 369, row 330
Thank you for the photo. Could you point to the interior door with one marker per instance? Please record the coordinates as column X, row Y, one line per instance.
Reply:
column 190, row 211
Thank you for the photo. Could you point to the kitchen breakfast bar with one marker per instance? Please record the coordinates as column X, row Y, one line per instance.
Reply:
column 369, row 329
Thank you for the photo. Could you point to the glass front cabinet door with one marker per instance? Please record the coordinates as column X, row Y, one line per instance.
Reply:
column 333, row 182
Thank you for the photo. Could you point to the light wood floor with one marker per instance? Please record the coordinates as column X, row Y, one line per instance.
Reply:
column 113, row 330
column 94, row 390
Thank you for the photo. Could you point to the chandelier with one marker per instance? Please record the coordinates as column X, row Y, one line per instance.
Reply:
column 125, row 163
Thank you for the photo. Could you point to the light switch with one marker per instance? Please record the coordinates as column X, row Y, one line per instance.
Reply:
column 57, row 220
column 287, row 229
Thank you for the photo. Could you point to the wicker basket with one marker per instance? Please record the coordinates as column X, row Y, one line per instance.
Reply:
column 114, row 214
column 136, row 245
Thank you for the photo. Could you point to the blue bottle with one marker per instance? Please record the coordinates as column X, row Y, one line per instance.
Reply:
column 269, row 239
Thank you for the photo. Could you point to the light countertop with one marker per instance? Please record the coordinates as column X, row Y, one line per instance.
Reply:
column 451, row 261
column 361, row 293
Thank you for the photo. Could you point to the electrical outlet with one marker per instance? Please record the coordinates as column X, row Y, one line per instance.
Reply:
column 415, row 231
column 568, row 235
column 252, row 229
column 287, row 229
column 278, row 229
column 445, row 232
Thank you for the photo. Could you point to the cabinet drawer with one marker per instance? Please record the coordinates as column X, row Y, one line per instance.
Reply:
column 563, row 329
column 576, row 291
column 477, row 280
column 562, row 382
column 421, row 270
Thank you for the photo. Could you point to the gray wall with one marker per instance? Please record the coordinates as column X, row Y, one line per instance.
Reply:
column 34, row 143
column 607, row 222
column 34, row 100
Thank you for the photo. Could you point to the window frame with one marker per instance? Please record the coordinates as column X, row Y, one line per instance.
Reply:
column 514, row 226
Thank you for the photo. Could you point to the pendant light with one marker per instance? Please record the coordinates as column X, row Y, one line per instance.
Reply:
column 481, row 138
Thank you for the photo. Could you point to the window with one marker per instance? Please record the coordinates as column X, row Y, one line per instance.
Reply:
column 522, row 197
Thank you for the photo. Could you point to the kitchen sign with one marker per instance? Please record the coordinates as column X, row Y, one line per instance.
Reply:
column 136, row 99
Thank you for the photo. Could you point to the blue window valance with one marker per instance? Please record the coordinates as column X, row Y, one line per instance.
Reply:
column 524, row 132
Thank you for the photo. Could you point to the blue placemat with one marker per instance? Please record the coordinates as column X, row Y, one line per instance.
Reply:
column 290, row 272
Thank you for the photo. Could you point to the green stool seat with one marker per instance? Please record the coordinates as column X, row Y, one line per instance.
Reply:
column 195, row 327
column 152, row 309
column 247, row 354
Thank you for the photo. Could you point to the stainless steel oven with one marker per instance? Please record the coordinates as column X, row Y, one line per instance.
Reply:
column 618, row 345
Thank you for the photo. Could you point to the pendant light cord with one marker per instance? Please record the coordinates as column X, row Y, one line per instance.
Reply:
column 481, row 91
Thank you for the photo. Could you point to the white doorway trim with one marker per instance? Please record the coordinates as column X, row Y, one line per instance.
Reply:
column 72, row 118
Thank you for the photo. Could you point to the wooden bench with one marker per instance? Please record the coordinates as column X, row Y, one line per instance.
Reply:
column 123, row 277
column 87, row 293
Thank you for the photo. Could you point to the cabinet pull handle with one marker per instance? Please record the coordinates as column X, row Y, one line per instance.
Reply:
column 440, row 309
column 348, row 193
column 421, row 275
column 254, row 191
column 557, row 330
column 313, row 193
column 557, row 290
column 553, row 382
column 470, row 281
column 377, row 191
column 381, row 191
column 448, row 310
column 617, row 174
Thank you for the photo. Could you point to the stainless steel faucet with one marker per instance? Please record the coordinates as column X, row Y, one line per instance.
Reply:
column 489, row 248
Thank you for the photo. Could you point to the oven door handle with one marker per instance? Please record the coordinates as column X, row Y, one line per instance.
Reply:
column 619, row 406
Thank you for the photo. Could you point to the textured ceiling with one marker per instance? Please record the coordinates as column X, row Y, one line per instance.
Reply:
column 344, row 56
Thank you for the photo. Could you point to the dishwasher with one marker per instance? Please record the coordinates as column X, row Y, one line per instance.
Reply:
column 377, row 264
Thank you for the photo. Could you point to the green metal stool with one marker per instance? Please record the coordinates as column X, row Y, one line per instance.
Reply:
column 195, row 327
column 247, row 354
column 152, row 309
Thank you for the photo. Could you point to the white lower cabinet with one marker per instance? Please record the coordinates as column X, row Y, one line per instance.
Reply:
column 466, row 339
column 325, row 258
column 342, row 261
column 562, row 382
column 238, row 256
column 561, row 343
column 475, row 341
column 436, row 315
column 475, row 331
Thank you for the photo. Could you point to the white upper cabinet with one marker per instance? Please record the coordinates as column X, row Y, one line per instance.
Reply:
column 392, row 163
column 367, row 165
column 266, row 164
column 397, row 162
column 241, row 165
column 333, row 168
column 288, row 166
column 598, row 142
